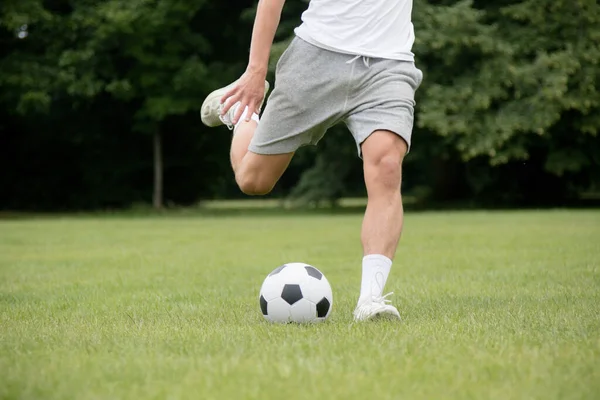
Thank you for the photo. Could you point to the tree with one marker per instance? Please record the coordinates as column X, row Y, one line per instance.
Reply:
column 150, row 60
column 141, row 51
column 99, row 103
column 512, row 77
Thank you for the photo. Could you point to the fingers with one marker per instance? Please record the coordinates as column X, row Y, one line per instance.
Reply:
column 231, row 97
column 229, row 102
column 251, row 110
column 233, row 91
column 239, row 111
column 247, row 98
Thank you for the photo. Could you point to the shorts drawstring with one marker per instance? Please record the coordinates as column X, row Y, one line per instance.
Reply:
column 366, row 60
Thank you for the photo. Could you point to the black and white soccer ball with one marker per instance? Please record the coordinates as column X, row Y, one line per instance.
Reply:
column 296, row 292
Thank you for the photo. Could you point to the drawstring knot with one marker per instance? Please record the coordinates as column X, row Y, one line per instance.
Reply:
column 366, row 60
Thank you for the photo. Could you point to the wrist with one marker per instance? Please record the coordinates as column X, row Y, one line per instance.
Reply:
column 257, row 69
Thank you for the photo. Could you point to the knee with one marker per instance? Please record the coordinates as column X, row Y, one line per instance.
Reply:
column 386, row 171
column 389, row 171
column 383, row 153
column 252, row 185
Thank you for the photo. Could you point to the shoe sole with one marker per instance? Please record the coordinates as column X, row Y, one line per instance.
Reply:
column 206, row 116
column 385, row 314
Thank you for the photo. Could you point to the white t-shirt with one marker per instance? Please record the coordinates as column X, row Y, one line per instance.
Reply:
column 371, row 28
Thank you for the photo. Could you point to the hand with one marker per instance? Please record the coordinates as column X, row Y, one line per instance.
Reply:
column 249, row 91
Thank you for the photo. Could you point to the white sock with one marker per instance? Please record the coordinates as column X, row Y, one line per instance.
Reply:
column 375, row 271
column 254, row 117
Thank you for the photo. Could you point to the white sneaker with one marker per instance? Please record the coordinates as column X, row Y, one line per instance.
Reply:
column 375, row 307
column 210, row 112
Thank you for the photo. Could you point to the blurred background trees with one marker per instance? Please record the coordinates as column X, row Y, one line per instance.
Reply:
column 99, row 104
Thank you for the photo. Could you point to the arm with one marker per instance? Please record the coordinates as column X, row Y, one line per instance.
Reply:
column 250, row 88
column 267, row 20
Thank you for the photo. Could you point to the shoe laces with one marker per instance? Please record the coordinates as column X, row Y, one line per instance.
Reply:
column 382, row 299
column 376, row 304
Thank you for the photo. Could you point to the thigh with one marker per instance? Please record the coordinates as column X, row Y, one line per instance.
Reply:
column 307, row 99
column 387, row 104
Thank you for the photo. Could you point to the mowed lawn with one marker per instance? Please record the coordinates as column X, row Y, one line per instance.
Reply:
column 495, row 305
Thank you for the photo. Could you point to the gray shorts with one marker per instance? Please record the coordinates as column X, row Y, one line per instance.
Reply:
column 317, row 88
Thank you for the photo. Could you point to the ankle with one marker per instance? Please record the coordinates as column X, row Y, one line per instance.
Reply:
column 375, row 271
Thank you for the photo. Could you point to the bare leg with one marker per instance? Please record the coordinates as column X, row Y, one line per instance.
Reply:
column 255, row 174
column 241, row 140
column 383, row 153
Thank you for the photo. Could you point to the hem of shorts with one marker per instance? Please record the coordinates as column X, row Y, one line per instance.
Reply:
column 272, row 152
column 385, row 128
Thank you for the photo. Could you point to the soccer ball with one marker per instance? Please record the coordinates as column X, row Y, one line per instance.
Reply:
column 296, row 292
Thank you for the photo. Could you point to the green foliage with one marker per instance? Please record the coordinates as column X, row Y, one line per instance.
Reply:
column 143, row 51
column 503, row 79
column 86, row 74
column 509, row 109
column 327, row 179
column 28, row 69
column 140, row 50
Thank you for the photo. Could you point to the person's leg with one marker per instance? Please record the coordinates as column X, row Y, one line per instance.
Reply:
column 383, row 153
column 255, row 174
column 305, row 102
column 383, row 133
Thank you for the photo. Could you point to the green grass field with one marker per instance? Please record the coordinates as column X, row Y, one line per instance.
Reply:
column 495, row 305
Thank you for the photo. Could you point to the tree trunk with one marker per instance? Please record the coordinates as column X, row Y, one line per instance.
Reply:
column 157, row 198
